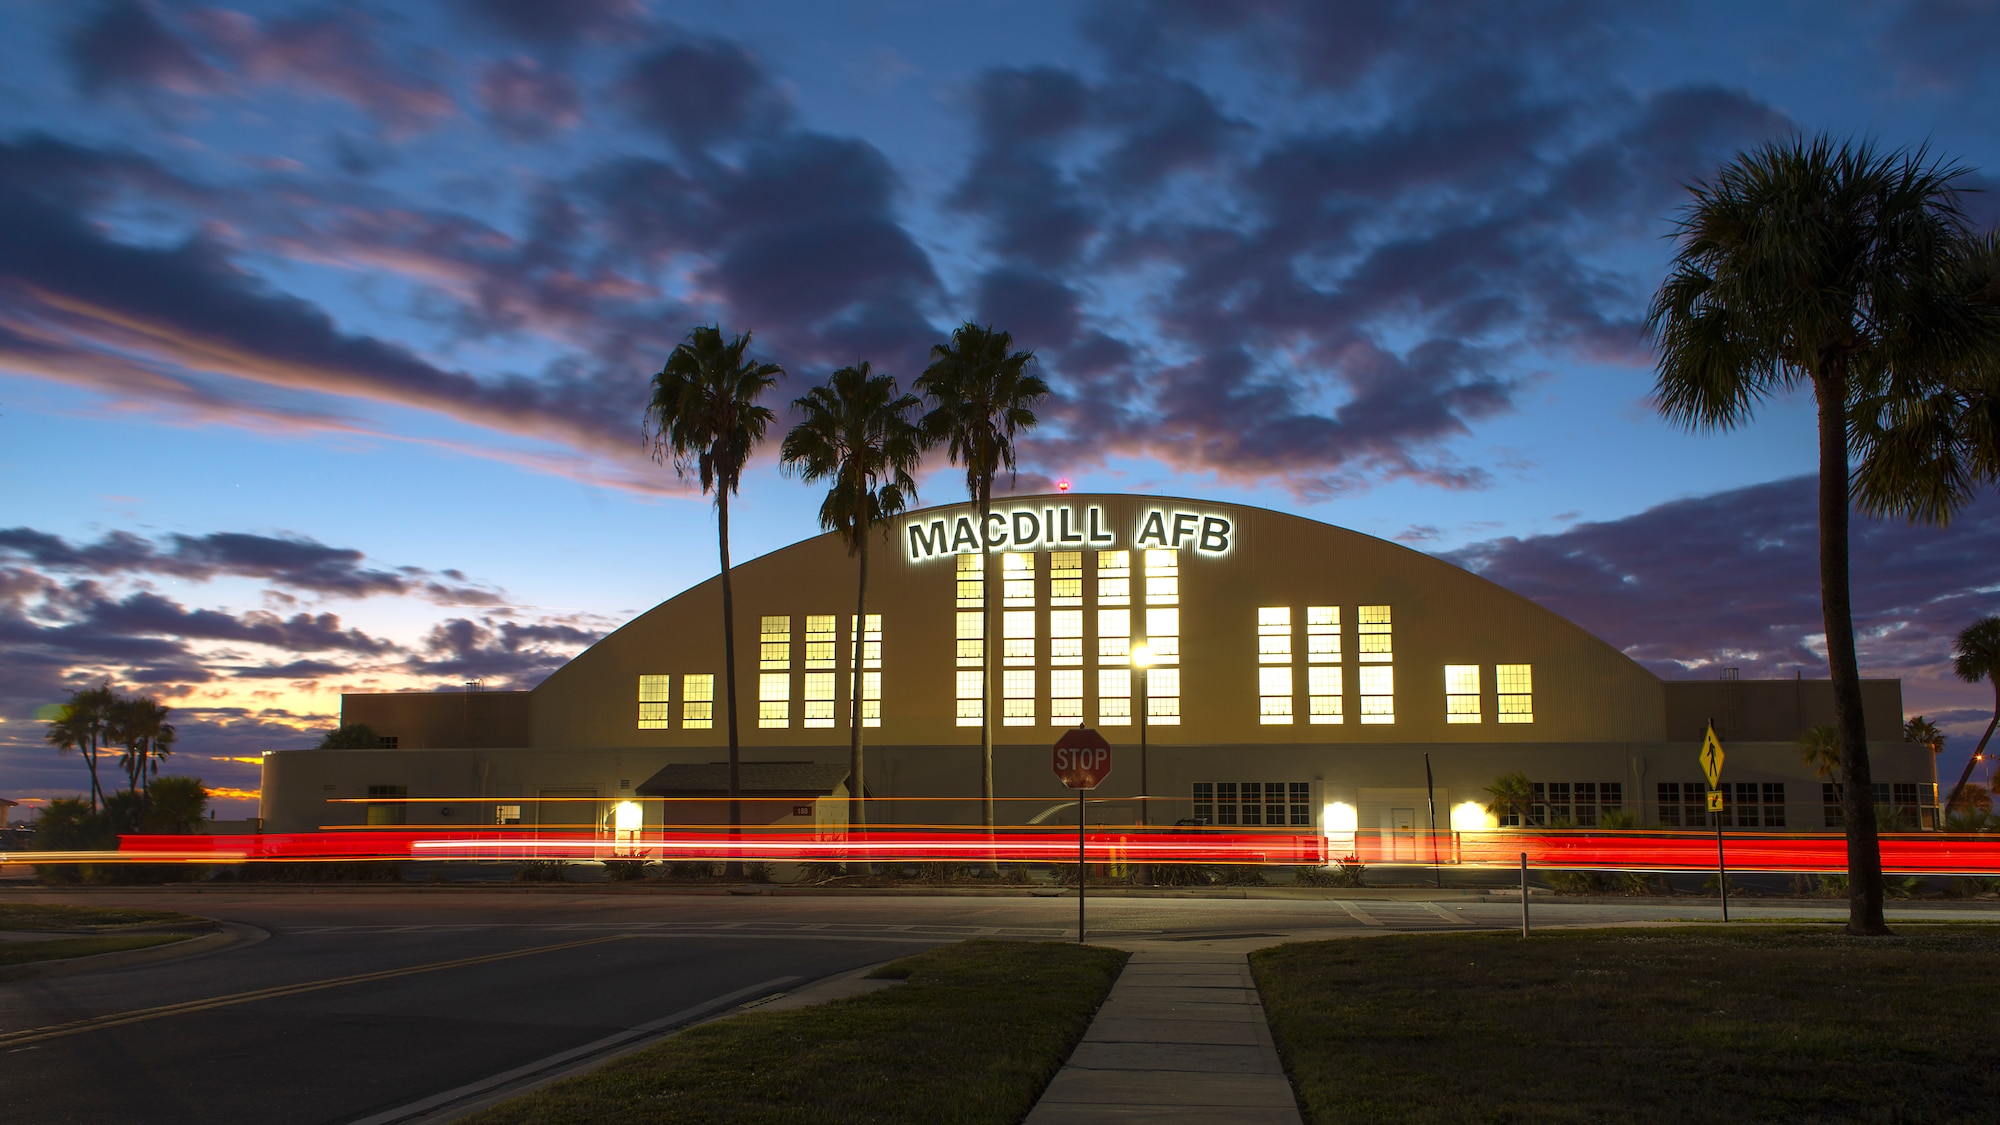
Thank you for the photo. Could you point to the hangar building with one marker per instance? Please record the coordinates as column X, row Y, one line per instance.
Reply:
column 1300, row 675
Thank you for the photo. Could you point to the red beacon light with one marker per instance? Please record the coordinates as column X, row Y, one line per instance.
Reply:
column 1062, row 485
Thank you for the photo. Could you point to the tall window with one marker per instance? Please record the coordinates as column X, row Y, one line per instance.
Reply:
column 1114, row 578
column 1683, row 804
column 1114, row 697
column 1066, row 697
column 1017, row 632
column 1066, row 638
column 1274, row 696
column 1017, row 573
column 1066, row 578
column 1516, row 683
column 1373, row 634
column 653, row 704
column 1274, row 634
column 1018, row 697
column 774, row 650
column 698, row 701
column 971, row 581
column 1271, row 804
column 1378, row 695
column 1323, row 694
column 820, row 640
column 1163, row 577
column 871, row 699
column 1461, row 693
column 871, row 641
column 774, row 699
column 819, row 697
column 970, row 698
column 1163, row 634
column 971, row 638
column 774, row 683
column 1323, row 634
column 1163, row 697
column 1114, row 636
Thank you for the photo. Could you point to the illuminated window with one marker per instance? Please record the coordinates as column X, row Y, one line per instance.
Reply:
column 1323, row 696
column 1114, row 636
column 1269, row 804
column 1163, row 635
column 1274, row 696
column 1372, row 628
column 1066, row 578
column 1163, row 697
column 1274, row 636
column 1066, row 696
column 1323, row 634
column 1516, row 683
column 775, row 643
column 653, row 713
column 1114, row 697
column 1461, row 693
column 820, row 640
column 1378, row 695
column 698, row 701
column 774, row 699
column 871, row 699
column 1017, row 573
column 1163, row 578
column 971, row 581
column 1066, row 637
column 819, row 698
column 970, row 697
column 1017, row 705
column 1114, row 578
column 871, row 641
column 971, row 638
column 1017, row 632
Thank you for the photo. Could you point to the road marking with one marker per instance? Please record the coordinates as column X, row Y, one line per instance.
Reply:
column 1358, row 914
column 141, row 1015
column 1447, row 915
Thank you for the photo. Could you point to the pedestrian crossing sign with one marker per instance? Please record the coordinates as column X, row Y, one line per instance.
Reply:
column 1711, row 757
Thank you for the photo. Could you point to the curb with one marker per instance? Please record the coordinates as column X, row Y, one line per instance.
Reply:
column 223, row 936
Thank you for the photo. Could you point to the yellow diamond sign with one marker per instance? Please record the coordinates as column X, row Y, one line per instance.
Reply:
column 1711, row 757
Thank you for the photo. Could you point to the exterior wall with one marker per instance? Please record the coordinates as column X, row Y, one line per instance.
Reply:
column 429, row 720
column 1776, row 710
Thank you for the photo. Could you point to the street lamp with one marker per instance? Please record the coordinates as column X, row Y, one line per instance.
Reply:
column 1142, row 658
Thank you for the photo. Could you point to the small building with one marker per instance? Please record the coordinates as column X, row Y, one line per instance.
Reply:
column 1290, row 673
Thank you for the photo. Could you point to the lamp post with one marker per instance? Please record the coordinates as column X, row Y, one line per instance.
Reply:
column 1142, row 659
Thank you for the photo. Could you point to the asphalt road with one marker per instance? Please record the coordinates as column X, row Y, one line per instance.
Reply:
column 364, row 1001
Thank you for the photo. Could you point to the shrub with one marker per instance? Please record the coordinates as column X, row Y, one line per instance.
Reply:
column 1183, row 875
column 694, row 869
column 819, row 871
column 757, row 871
column 1348, row 872
column 1313, row 875
column 541, row 871
column 625, row 870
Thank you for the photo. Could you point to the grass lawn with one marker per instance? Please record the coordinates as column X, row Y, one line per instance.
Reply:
column 973, row 1034
column 57, row 949
column 53, row 916
column 1789, row 1023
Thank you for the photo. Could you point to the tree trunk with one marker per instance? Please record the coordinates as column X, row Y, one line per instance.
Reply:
column 1976, row 751
column 986, row 600
column 857, row 809
column 1864, row 845
column 735, row 868
column 90, row 759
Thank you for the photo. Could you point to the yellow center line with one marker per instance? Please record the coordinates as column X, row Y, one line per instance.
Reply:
column 117, row 1019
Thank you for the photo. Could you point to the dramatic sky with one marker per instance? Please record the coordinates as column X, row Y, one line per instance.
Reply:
column 325, row 329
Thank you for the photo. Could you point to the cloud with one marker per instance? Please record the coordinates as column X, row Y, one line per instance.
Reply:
column 526, row 100
column 697, row 92
column 294, row 563
column 560, row 24
column 1731, row 580
column 124, row 46
column 1943, row 45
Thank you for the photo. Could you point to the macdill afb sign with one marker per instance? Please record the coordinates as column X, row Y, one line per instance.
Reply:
column 1056, row 527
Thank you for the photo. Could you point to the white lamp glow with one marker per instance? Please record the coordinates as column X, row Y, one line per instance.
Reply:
column 1142, row 655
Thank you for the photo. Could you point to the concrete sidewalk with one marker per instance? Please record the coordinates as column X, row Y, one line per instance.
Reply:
column 1181, row 1038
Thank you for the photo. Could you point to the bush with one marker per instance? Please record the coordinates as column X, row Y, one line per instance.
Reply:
column 1348, row 872
column 1243, row 875
column 541, row 871
column 1313, row 875
column 819, row 871
column 1183, row 875
column 1963, row 887
column 757, row 871
column 625, row 870
column 1576, row 882
column 694, row 869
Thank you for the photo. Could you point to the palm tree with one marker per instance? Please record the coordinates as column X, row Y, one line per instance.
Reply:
column 704, row 419
column 982, row 396
column 140, row 725
column 1976, row 657
column 856, row 433
column 1511, row 793
column 1922, row 732
column 80, row 726
column 1811, row 263
column 1819, row 750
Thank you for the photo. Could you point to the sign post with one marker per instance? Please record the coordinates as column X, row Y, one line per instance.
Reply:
column 1711, row 765
column 1082, row 761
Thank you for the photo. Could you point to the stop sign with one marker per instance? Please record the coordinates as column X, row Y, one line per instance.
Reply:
column 1082, row 758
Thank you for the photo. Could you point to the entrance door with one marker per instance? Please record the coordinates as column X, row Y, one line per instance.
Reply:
column 1403, row 835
